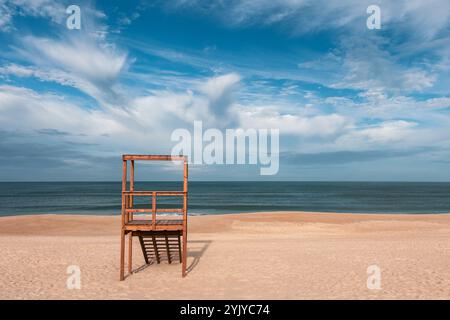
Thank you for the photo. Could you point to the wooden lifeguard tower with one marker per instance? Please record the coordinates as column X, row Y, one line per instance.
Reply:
column 157, row 236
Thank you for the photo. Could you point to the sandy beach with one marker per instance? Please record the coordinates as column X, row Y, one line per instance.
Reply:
column 288, row 255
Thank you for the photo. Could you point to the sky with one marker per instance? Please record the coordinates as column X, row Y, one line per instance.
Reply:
column 350, row 103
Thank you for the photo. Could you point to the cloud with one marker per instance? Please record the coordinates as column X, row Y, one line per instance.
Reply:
column 362, row 59
column 269, row 117
column 377, row 105
column 423, row 18
column 385, row 132
column 49, row 74
column 268, row 12
column 367, row 67
column 52, row 132
column 31, row 159
column 83, row 63
column 215, row 88
column 437, row 103
column 84, row 59
column 219, row 91
column 53, row 10
column 210, row 101
column 40, row 8
column 98, row 62
column 25, row 109
column 142, row 119
column 169, row 109
column 340, row 157
column 5, row 16
column 73, row 134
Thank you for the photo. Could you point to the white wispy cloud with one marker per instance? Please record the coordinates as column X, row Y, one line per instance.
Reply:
column 25, row 110
column 368, row 67
column 362, row 59
column 425, row 18
column 5, row 16
column 298, row 125
column 53, row 10
column 382, row 134
column 87, row 64
column 98, row 62
column 143, row 119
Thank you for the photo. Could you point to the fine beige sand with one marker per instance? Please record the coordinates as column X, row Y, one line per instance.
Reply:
column 247, row 256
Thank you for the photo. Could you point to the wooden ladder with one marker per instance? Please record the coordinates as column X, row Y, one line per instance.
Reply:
column 160, row 246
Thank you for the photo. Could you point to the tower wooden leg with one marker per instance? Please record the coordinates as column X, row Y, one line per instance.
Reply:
column 184, row 258
column 122, row 255
column 179, row 247
column 130, row 252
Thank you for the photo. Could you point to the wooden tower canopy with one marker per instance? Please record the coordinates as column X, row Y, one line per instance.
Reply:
column 158, row 236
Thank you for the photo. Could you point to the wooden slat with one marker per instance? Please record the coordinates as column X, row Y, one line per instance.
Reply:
column 153, row 157
column 146, row 236
column 170, row 193
column 138, row 211
column 159, row 222
column 174, row 227
column 158, row 193
column 168, row 210
column 156, row 249
column 162, row 210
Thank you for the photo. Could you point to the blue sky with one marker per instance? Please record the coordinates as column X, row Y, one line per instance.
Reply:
column 350, row 103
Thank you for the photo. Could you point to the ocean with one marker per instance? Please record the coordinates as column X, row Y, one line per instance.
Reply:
column 103, row 198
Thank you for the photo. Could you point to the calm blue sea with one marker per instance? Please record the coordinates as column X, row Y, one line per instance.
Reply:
column 229, row 197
